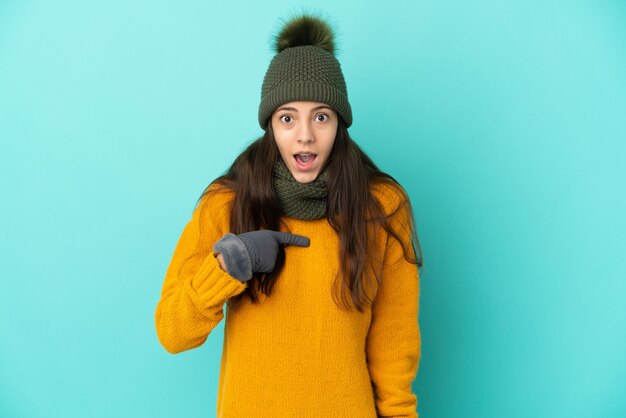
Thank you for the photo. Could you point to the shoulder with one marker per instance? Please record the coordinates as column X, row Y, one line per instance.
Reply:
column 391, row 196
column 217, row 194
column 215, row 204
column 396, row 206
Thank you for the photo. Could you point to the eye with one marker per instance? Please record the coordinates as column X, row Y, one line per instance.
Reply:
column 287, row 117
column 323, row 115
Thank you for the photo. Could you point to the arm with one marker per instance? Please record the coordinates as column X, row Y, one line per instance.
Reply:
column 393, row 342
column 193, row 296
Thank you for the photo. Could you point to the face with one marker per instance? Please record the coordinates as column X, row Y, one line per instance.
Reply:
column 305, row 133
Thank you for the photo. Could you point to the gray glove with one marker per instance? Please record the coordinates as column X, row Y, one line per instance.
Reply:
column 254, row 252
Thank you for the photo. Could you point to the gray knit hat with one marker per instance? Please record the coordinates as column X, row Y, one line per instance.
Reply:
column 304, row 69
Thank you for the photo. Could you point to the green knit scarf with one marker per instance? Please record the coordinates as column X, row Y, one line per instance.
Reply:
column 300, row 200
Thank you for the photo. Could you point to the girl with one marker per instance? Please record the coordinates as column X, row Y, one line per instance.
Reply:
column 311, row 249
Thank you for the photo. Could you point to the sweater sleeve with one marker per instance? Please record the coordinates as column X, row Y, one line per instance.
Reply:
column 393, row 342
column 194, row 292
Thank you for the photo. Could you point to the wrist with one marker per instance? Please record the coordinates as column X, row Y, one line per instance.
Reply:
column 235, row 258
column 220, row 260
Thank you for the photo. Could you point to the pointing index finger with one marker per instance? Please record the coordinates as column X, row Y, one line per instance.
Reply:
column 291, row 239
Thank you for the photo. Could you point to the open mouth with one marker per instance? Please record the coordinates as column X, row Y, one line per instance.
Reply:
column 305, row 160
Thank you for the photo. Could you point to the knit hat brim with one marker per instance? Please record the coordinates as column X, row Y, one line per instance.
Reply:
column 304, row 91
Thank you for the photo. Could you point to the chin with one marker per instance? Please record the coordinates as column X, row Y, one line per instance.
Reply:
column 306, row 178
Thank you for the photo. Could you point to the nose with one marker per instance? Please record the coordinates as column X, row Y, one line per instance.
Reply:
column 305, row 136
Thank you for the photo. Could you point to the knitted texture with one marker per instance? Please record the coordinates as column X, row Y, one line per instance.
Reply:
column 300, row 200
column 304, row 73
column 296, row 354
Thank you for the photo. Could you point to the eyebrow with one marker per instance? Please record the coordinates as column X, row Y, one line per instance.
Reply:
column 295, row 110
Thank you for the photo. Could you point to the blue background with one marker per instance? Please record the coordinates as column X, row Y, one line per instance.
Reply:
column 505, row 121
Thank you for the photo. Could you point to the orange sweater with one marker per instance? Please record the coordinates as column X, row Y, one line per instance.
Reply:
column 296, row 354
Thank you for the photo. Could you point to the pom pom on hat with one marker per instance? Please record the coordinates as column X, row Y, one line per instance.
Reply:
column 305, row 30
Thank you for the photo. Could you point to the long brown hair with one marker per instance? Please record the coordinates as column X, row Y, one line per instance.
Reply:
column 351, row 210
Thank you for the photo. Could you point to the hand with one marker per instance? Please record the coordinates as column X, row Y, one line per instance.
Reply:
column 254, row 251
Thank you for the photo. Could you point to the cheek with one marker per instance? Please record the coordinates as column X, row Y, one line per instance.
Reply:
column 282, row 138
column 330, row 139
column 328, row 146
column 281, row 142
column 282, row 148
